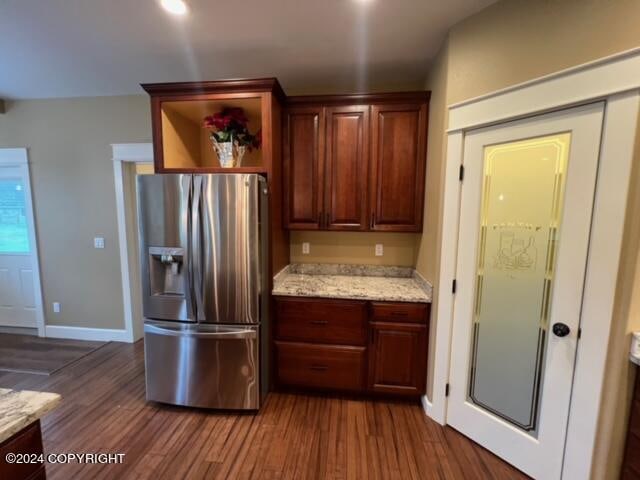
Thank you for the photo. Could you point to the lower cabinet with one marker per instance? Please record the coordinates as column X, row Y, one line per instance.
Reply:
column 351, row 346
column 631, row 463
column 398, row 358
column 335, row 367
column 27, row 442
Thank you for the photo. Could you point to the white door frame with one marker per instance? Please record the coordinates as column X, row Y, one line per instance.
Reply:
column 18, row 157
column 123, row 153
column 615, row 80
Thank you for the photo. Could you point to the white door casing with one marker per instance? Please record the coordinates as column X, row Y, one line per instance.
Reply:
column 540, row 453
column 20, row 290
column 125, row 157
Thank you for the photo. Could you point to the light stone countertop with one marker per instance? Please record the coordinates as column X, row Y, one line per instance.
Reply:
column 20, row 408
column 354, row 282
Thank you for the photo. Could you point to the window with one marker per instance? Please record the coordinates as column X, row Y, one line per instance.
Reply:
column 14, row 233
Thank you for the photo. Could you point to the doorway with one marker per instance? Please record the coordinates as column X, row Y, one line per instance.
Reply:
column 20, row 291
column 129, row 161
column 525, row 221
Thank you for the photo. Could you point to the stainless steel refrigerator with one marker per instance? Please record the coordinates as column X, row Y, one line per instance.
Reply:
column 204, row 253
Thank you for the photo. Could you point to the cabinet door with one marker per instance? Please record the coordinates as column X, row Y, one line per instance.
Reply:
column 347, row 167
column 303, row 167
column 398, row 161
column 398, row 358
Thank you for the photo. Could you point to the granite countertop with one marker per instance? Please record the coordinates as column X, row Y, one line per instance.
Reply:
column 355, row 282
column 19, row 409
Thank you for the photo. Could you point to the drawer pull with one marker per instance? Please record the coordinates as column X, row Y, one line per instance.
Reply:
column 319, row 368
column 400, row 314
column 319, row 322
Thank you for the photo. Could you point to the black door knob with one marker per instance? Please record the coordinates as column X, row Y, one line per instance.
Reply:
column 561, row 329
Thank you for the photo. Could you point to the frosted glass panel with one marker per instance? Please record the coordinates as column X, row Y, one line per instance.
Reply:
column 519, row 232
column 14, row 234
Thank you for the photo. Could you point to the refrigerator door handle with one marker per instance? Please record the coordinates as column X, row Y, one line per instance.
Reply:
column 196, row 243
column 186, row 222
column 231, row 334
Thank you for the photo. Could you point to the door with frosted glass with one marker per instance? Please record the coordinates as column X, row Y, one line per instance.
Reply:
column 525, row 219
column 18, row 298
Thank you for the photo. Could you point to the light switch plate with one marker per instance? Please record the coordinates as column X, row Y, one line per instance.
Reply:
column 379, row 250
column 98, row 242
column 305, row 248
column 56, row 307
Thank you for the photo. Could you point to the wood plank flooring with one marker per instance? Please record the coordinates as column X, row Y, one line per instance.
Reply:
column 31, row 354
column 293, row 437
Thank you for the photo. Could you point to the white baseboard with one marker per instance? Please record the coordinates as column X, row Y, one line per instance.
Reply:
column 427, row 406
column 82, row 333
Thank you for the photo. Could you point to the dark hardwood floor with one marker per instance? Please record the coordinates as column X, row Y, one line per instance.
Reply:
column 293, row 437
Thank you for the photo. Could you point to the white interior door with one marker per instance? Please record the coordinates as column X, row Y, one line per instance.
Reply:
column 20, row 297
column 525, row 218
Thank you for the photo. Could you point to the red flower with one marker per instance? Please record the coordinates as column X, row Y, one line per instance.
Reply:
column 208, row 122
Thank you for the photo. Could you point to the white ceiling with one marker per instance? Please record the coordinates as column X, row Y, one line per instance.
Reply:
column 65, row 48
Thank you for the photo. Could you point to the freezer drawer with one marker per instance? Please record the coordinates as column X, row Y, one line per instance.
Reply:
column 209, row 366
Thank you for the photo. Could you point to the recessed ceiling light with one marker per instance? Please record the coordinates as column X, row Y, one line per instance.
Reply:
column 177, row 7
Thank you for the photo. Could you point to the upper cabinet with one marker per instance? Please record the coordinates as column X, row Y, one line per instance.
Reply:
column 398, row 160
column 355, row 162
column 346, row 165
column 303, row 148
column 181, row 142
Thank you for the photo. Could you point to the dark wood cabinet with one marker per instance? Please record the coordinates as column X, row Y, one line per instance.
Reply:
column 355, row 162
column 631, row 464
column 333, row 367
column 28, row 441
column 398, row 152
column 308, row 320
column 356, row 346
column 304, row 167
column 347, row 165
column 398, row 358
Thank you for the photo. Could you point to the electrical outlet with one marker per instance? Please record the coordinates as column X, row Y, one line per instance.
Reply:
column 305, row 248
column 98, row 242
column 56, row 307
column 379, row 250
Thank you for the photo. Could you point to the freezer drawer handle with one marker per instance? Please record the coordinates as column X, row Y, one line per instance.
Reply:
column 233, row 334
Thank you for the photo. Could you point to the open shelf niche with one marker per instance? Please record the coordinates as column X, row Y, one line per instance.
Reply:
column 186, row 144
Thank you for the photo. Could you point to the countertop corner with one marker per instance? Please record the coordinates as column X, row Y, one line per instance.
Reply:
column 20, row 408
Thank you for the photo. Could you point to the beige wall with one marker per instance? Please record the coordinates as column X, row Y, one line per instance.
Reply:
column 354, row 248
column 511, row 42
column 74, row 197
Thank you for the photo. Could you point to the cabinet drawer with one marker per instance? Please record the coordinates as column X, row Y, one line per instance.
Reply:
column 321, row 321
column 321, row 366
column 400, row 312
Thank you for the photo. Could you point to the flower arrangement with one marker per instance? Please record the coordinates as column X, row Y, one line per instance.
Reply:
column 230, row 135
column 230, row 125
